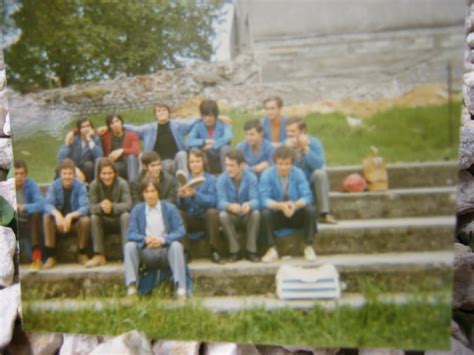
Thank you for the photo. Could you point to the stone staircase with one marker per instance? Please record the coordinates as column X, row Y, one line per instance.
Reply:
column 398, row 242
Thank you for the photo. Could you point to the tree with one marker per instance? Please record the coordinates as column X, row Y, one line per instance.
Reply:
column 71, row 41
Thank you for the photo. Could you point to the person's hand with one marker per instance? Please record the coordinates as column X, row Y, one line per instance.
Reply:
column 106, row 206
column 302, row 143
column 182, row 192
column 58, row 217
column 225, row 119
column 154, row 242
column 276, row 144
column 261, row 167
column 291, row 208
column 69, row 138
column 116, row 154
column 67, row 223
column 20, row 207
column 80, row 175
column 89, row 135
column 235, row 208
column 207, row 147
column 291, row 143
column 246, row 208
column 190, row 192
column 102, row 130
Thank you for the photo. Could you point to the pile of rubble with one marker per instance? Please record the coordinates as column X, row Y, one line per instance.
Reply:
column 463, row 296
column 9, row 275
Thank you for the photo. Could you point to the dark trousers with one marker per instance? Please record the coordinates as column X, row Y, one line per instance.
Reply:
column 208, row 224
column 127, row 167
column 303, row 218
column 80, row 227
column 30, row 230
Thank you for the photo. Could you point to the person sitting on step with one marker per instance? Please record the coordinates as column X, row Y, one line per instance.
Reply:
column 154, row 235
column 211, row 135
column 287, row 202
column 198, row 205
column 84, row 148
column 122, row 146
column 257, row 150
column 310, row 158
column 151, row 163
column 66, row 207
column 237, row 196
column 274, row 123
column 165, row 137
column 110, row 203
column 29, row 209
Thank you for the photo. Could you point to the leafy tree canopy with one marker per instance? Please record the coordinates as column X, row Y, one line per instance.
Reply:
column 72, row 41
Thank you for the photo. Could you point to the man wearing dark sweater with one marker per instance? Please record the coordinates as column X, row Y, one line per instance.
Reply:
column 151, row 162
column 166, row 137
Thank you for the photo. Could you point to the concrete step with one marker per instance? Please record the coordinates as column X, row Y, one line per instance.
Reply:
column 396, row 203
column 348, row 236
column 231, row 304
column 401, row 175
column 404, row 175
column 390, row 272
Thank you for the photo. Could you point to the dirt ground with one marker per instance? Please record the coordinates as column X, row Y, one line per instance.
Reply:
column 422, row 95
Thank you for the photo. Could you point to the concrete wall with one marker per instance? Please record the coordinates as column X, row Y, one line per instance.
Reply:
column 403, row 39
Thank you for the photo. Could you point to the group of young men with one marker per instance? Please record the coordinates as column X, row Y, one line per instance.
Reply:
column 133, row 180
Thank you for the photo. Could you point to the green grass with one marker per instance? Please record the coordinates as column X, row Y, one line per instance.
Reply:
column 415, row 325
column 401, row 134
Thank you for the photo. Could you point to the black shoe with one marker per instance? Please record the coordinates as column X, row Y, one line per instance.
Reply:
column 215, row 257
column 252, row 257
column 234, row 257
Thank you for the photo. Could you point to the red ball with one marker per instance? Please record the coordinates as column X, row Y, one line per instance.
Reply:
column 354, row 183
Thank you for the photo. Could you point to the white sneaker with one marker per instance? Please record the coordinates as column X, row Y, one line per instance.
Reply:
column 309, row 253
column 270, row 255
column 131, row 291
column 181, row 293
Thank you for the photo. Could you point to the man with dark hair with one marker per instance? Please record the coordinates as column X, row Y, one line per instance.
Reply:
column 153, row 240
column 257, row 150
column 151, row 162
column 287, row 202
column 29, row 207
column 110, row 203
column 166, row 137
column 211, row 135
column 66, row 207
column 274, row 123
column 122, row 146
column 310, row 158
column 84, row 148
column 237, row 196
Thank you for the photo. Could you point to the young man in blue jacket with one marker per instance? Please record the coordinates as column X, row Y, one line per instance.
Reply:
column 84, row 148
column 287, row 202
column 198, row 205
column 29, row 207
column 257, row 150
column 274, row 124
column 154, row 233
column 310, row 158
column 237, row 196
column 66, row 208
column 211, row 135
column 166, row 137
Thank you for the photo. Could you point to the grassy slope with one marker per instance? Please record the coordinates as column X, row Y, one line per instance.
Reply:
column 402, row 135
column 416, row 325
